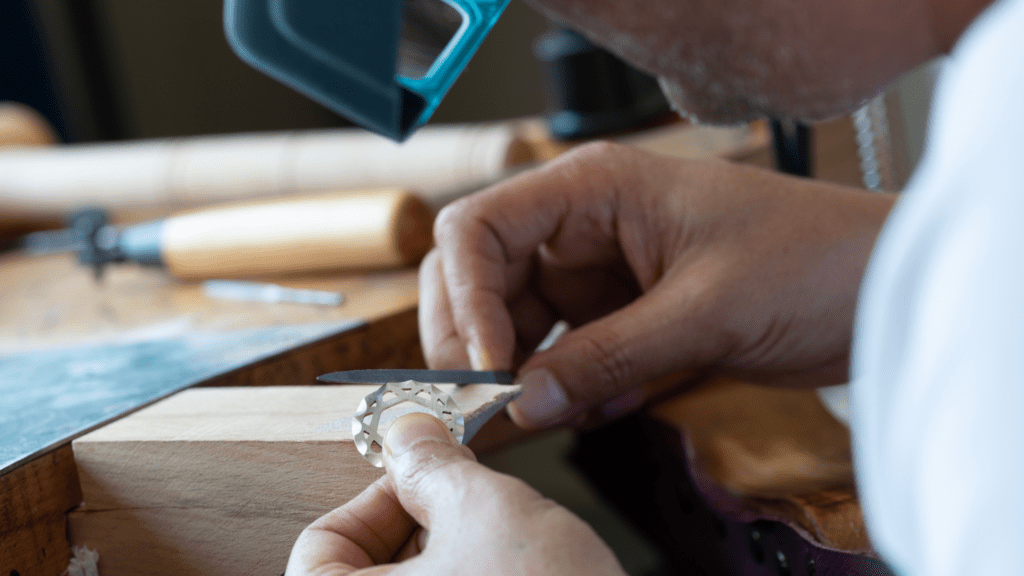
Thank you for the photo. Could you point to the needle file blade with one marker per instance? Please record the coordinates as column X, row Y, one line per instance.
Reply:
column 423, row 376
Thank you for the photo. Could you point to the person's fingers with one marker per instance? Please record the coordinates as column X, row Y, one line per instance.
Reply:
column 369, row 530
column 416, row 544
column 533, row 318
column 488, row 241
column 439, row 482
column 622, row 405
column 659, row 333
column 428, row 467
column 443, row 348
column 480, row 521
column 583, row 294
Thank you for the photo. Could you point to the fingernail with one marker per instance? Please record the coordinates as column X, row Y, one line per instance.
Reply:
column 479, row 359
column 413, row 428
column 543, row 399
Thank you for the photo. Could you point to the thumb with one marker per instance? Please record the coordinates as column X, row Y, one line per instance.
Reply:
column 607, row 362
column 429, row 469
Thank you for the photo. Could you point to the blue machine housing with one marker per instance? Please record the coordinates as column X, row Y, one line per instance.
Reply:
column 344, row 54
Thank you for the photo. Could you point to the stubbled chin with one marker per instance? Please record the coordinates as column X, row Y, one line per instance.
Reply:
column 720, row 107
column 705, row 108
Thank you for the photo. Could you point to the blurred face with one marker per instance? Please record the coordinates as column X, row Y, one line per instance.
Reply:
column 723, row 61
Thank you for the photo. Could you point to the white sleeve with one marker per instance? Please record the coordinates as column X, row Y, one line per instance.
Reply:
column 938, row 364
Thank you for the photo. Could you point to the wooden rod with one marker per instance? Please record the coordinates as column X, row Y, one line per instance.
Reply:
column 206, row 170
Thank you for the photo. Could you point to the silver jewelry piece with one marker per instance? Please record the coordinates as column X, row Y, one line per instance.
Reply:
column 370, row 442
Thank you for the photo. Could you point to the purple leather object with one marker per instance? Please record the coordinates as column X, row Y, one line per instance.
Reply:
column 698, row 528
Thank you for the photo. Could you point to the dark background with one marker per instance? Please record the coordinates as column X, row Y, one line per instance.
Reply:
column 116, row 69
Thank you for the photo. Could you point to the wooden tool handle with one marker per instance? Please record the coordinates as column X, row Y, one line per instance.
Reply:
column 23, row 126
column 373, row 229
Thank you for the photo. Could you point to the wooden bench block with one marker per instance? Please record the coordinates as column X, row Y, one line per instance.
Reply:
column 219, row 480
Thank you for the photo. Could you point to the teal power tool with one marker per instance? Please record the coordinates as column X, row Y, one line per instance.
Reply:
column 384, row 64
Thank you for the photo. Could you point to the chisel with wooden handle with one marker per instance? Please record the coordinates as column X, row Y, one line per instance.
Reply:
column 344, row 231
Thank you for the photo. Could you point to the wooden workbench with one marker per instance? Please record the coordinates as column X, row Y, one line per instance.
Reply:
column 52, row 301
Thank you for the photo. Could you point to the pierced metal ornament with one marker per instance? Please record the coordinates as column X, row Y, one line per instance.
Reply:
column 367, row 419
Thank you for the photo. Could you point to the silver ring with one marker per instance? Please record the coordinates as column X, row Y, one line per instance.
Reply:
column 368, row 439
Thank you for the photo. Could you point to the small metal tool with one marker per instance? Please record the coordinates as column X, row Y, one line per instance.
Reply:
column 269, row 293
column 89, row 234
column 400, row 386
column 428, row 376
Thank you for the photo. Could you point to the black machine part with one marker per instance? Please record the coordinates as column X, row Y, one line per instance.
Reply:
column 98, row 243
column 592, row 92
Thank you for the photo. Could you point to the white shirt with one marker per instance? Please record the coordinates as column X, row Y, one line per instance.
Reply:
column 938, row 360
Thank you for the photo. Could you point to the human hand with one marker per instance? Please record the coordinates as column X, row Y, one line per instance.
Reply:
column 662, row 264
column 474, row 520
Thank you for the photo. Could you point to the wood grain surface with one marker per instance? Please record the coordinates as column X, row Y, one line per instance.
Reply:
column 52, row 300
column 221, row 480
column 34, row 500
